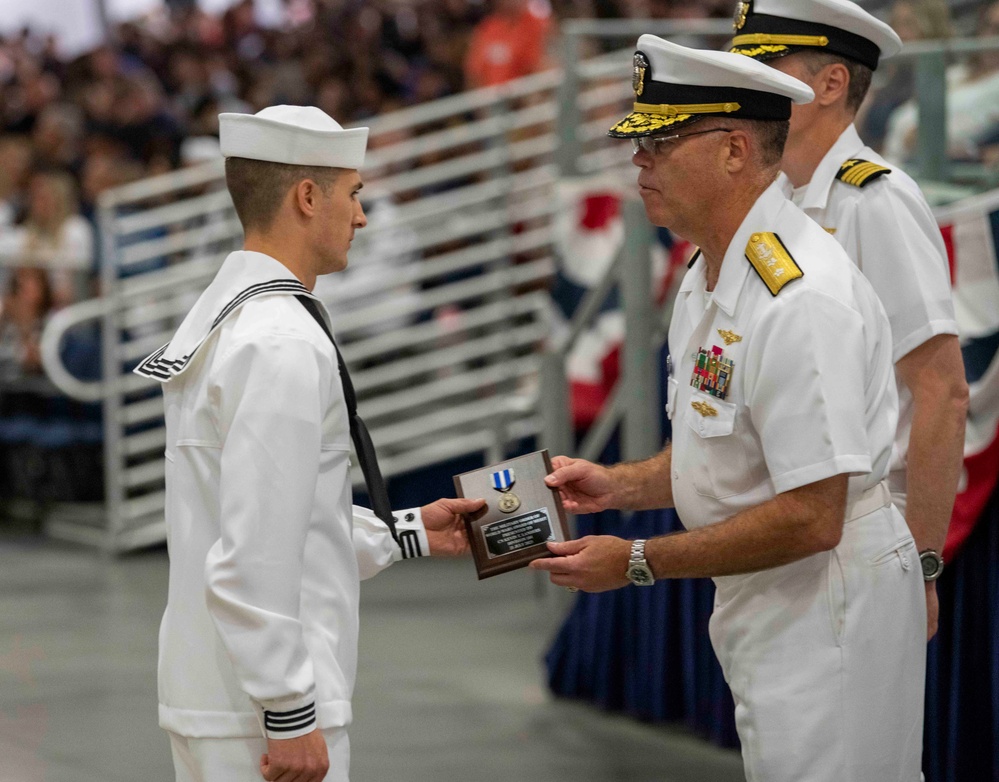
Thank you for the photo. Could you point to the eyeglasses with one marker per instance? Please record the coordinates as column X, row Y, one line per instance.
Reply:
column 650, row 144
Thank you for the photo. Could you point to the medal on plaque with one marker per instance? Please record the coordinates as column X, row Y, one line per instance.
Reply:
column 502, row 480
column 515, row 528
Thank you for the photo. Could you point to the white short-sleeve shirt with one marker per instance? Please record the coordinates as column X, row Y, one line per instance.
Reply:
column 800, row 384
column 889, row 232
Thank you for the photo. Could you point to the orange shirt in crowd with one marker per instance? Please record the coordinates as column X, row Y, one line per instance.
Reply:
column 506, row 46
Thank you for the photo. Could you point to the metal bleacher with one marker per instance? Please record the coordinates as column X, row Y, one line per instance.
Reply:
column 444, row 313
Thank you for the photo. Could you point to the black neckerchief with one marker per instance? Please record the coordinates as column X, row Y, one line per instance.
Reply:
column 363, row 446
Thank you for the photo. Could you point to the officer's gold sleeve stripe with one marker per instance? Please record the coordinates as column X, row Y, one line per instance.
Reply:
column 787, row 40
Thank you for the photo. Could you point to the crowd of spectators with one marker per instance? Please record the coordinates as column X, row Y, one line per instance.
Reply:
column 146, row 102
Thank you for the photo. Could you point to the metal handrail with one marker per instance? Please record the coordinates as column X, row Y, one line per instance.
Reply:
column 494, row 218
column 464, row 102
column 624, row 28
column 916, row 49
column 161, row 184
column 50, row 345
column 430, row 390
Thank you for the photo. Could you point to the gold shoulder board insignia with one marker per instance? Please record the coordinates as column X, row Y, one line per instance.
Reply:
column 768, row 255
column 860, row 172
column 704, row 408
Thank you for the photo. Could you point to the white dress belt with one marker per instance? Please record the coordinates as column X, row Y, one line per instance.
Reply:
column 872, row 499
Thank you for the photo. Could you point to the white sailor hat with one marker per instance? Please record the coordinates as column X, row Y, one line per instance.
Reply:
column 297, row 135
column 766, row 29
column 675, row 86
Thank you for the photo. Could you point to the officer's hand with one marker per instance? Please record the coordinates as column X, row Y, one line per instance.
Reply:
column 595, row 563
column 445, row 528
column 585, row 487
column 932, row 610
column 296, row 760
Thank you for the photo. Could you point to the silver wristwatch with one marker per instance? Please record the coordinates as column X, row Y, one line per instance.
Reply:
column 932, row 564
column 639, row 572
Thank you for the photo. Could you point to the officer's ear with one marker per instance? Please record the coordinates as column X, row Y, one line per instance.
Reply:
column 831, row 84
column 738, row 149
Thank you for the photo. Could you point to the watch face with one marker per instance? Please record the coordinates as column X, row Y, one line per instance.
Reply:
column 932, row 565
column 640, row 574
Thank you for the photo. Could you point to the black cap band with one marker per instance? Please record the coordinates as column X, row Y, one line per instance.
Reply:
column 753, row 104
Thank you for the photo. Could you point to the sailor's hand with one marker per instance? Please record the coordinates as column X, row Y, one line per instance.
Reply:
column 302, row 759
column 445, row 526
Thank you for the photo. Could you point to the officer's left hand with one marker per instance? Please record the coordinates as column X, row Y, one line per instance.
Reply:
column 444, row 525
column 595, row 563
column 932, row 610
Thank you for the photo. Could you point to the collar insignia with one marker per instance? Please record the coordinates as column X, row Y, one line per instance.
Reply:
column 772, row 261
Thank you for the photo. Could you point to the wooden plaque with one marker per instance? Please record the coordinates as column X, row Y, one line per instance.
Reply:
column 521, row 514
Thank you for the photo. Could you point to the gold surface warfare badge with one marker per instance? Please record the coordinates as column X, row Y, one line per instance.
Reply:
column 730, row 337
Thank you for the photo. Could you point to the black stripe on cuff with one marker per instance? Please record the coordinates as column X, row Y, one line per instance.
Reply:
column 409, row 542
column 290, row 720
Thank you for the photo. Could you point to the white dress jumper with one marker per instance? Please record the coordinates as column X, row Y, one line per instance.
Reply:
column 259, row 636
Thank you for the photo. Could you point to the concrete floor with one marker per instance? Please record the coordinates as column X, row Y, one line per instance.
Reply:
column 450, row 687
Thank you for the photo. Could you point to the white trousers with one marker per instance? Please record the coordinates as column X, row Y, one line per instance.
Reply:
column 826, row 659
column 238, row 760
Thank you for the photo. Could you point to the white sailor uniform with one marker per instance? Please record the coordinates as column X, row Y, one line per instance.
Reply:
column 259, row 636
column 781, row 377
column 880, row 217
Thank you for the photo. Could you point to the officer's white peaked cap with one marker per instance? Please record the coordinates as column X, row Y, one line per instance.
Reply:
column 296, row 135
column 765, row 29
column 675, row 85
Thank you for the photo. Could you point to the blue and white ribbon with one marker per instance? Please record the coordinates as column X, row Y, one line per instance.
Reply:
column 503, row 479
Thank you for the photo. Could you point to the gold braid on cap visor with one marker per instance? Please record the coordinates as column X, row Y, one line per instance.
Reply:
column 756, row 51
column 647, row 118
